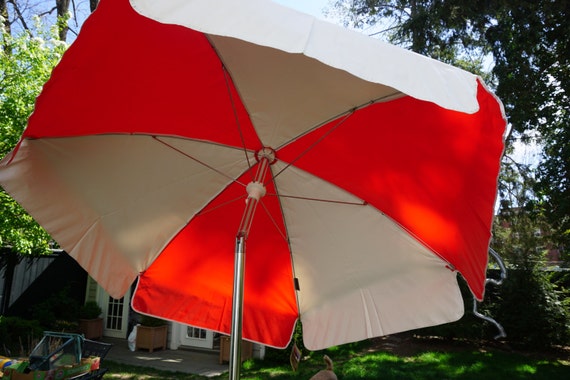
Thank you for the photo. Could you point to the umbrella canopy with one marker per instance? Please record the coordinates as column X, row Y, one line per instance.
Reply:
column 380, row 186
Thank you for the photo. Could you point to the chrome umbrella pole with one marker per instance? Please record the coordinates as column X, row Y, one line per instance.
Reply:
column 255, row 191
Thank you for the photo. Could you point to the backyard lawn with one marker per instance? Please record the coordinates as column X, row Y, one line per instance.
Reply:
column 422, row 359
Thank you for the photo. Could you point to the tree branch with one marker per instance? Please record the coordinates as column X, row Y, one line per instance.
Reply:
column 20, row 16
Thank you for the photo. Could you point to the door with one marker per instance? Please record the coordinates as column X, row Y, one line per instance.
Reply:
column 195, row 337
column 115, row 314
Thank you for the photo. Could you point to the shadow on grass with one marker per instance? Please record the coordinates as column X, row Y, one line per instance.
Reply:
column 455, row 365
column 465, row 365
column 360, row 361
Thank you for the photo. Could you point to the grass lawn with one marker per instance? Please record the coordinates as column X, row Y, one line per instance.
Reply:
column 418, row 360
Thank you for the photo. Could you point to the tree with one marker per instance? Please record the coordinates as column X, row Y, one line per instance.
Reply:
column 25, row 64
column 553, row 187
column 529, row 305
column 532, row 53
column 528, row 44
column 62, row 7
column 93, row 5
column 4, row 15
column 68, row 15
column 418, row 25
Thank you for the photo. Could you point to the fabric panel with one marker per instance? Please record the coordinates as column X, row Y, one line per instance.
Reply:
column 268, row 24
column 193, row 277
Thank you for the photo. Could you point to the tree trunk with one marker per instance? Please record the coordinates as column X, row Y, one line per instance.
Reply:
column 62, row 7
column 4, row 14
column 93, row 5
column 418, row 40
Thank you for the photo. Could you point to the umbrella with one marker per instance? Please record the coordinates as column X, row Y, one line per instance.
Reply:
column 361, row 176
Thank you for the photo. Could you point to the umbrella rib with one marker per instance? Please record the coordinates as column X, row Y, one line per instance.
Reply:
column 283, row 234
column 346, row 114
column 198, row 161
column 362, row 203
column 204, row 212
column 238, row 124
column 350, row 113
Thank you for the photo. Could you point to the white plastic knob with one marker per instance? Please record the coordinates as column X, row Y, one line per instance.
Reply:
column 255, row 190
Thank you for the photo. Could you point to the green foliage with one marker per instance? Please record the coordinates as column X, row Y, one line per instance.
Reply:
column 147, row 320
column 530, row 307
column 90, row 310
column 282, row 356
column 19, row 231
column 431, row 361
column 532, row 311
column 466, row 363
column 25, row 65
column 562, row 280
column 19, row 335
column 553, row 173
column 56, row 308
column 532, row 64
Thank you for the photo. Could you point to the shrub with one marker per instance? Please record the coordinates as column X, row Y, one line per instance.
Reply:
column 91, row 310
column 532, row 311
column 19, row 336
column 147, row 320
column 58, row 307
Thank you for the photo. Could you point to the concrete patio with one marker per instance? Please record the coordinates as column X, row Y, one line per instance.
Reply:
column 204, row 363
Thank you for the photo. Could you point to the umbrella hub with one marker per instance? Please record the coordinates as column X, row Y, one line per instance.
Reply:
column 266, row 153
column 256, row 188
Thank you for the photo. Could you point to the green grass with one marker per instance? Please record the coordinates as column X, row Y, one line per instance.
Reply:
column 363, row 362
column 129, row 372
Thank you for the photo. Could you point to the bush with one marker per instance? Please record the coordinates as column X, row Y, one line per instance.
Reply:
column 19, row 336
column 56, row 308
column 147, row 320
column 532, row 310
column 91, row 310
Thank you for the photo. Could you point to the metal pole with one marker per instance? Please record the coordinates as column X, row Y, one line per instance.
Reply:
column 237, row 309
column 255, row 190
column 497, row 257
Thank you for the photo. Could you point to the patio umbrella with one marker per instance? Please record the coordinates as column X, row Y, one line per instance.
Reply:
column 361, row 176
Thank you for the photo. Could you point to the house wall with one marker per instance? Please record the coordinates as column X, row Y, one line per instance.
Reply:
column 37, row 279
column 26, row 272
column 91, row 290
